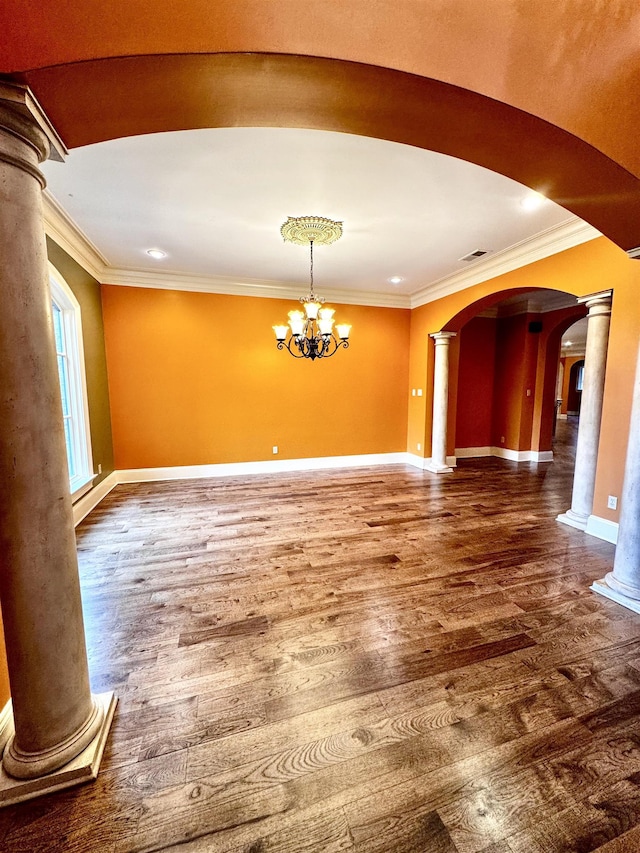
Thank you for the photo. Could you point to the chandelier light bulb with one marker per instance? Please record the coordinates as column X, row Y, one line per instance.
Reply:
column 312, row 309
column 281, row 332
column 296, row 322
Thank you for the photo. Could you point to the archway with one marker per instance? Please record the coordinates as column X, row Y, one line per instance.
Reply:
column 503, row 374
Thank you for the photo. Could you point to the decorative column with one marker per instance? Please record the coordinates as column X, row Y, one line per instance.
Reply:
column 595, row 360
column 623, row 583
column 59, row 727
column 438, row 462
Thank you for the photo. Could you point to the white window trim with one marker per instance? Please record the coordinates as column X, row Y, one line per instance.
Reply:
column 66, row 301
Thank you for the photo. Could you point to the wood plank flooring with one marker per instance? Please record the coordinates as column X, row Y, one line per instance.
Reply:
column 359, row 660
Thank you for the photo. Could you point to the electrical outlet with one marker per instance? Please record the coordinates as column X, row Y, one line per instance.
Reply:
column 528, row 392
column 100, row 468
column 612, row 502
column 275, row 449
column 501, row 439
column 419, row 392
column 413, row 392
column 419, row 446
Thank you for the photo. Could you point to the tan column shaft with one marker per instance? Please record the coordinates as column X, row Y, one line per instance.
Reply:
column 595, row 362
column 438, row 462
column 625, row 577
column 54, row 714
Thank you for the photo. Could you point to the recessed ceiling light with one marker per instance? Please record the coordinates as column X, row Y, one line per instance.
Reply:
column 395, row 279
column 157, row 254
column 567, row 343
column 532, row 201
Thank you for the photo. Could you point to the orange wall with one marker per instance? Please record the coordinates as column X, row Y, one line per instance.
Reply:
column 196, row 379
column 420, row 369
column 619, row 378
column 515, row 374
column 475, row 383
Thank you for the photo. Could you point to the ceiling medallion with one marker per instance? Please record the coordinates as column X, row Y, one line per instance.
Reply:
column 311, row 229
column 310, row 332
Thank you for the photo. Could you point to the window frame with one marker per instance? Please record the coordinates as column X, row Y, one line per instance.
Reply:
column 71, row 322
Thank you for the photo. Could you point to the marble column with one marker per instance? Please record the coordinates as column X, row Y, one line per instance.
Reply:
column 623, row 583
column 595, row 360
column 438, row 462
column 55, row 716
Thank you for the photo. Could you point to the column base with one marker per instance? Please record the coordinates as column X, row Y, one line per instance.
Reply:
column 438, row 469
column 573, row 519
column 603, row 588
column 83, row 768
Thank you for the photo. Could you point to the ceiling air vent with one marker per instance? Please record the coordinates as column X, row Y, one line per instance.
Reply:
column 473, row 256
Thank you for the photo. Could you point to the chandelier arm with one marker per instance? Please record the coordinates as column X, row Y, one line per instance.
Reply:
column 287, row 345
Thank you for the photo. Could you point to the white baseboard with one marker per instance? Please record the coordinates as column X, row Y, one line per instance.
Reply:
column 472, row 452
column 541, row 455
column 505, row 453
column 424, row 462
column 602, row 528
column 90, row 501
column 268, row 466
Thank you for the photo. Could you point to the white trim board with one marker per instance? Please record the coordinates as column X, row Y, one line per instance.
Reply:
column 564, row 236
column 91, row 499
column 423, row 462
column 505, row 453
column 268, row 466
column 602, row 528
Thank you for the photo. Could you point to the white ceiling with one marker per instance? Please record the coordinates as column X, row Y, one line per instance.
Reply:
column 214, row 201
column 574, row 340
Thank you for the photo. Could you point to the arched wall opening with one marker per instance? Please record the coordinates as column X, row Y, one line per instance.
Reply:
column 502, row 371
column 574, row 388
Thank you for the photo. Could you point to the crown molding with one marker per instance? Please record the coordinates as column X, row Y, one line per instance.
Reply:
column 564, row 236
column 62, row 229
column 247, row 287
column 634, row 253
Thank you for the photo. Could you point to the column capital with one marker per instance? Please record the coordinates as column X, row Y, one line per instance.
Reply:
column 442, row 337
column 27, row 137
column 20, row 110
column 597, row 303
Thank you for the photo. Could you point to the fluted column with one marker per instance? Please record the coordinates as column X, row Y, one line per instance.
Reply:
column 595, row 360
column 54, row 714
column 623, row 583
column 438, row 462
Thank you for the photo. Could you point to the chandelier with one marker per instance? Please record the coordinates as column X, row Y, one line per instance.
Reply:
column 311, row 331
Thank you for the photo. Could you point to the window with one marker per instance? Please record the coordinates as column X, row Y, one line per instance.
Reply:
column 580, row 377
column 67, row 329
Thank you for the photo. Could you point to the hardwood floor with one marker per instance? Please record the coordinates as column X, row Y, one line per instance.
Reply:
column 359, row 660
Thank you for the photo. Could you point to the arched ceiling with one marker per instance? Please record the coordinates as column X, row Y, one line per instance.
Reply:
column 214, row 201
